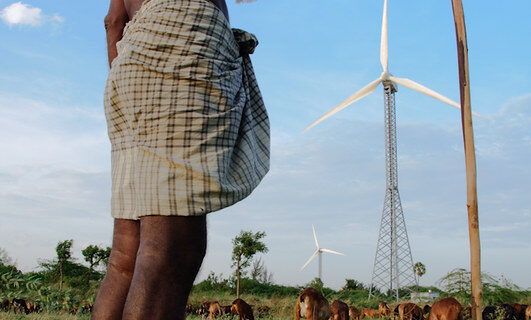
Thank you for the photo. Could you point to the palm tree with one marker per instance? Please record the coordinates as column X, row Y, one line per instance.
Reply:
column 420, row 269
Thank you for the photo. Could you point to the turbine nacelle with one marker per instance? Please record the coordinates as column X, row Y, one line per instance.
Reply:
column 386, row 76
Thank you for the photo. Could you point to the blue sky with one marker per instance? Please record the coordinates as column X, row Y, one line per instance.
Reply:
column 55, row 161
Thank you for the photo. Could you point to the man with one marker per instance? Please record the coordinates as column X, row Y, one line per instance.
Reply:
column 189, row 135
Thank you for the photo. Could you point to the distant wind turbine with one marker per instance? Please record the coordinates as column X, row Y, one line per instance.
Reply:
column 387, row 79
column 319, row 251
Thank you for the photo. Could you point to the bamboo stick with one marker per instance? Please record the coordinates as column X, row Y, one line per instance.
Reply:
column 470, row 159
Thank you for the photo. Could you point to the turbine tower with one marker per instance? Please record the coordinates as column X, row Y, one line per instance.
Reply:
column 393, row 264
column 319, row 252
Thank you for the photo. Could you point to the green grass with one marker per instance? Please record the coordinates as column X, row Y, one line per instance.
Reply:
column 196, row 317
column 281, row 307
column 43, row 316
column 57, row 316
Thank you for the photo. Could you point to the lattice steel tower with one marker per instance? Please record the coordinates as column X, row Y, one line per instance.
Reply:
column 393, row 264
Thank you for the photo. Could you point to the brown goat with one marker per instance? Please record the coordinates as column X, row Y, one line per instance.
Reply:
column 394, row 311
column 353, row 313
column 368, row 313
column 446, row 309
column 339, row 310
column 242, row 309
column 410, row 311
column 519, row 310
column 383, row 310
column 312, row 305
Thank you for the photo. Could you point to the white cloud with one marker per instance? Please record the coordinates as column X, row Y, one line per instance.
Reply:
column 20, row 13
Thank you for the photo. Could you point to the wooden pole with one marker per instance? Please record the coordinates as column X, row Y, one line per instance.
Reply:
column 470, row 159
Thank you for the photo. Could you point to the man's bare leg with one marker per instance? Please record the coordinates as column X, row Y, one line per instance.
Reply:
column 170, row 254
column 113, row 291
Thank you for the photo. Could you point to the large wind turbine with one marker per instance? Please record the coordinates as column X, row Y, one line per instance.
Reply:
column 387, row 79
column 393, row 263
column 319, row 251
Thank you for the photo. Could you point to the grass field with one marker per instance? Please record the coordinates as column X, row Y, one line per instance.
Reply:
column 43, row 316
column 281, row 308
column 56, row 316
column 280, row 299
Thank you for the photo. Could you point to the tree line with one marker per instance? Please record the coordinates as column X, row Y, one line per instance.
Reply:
column 58, row 283
column 62, row 282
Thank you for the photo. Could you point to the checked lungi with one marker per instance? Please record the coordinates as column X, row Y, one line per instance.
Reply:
column 186, row 120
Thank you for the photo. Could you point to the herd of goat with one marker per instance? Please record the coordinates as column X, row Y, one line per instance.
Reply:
column 312, row 305
column 26, row 307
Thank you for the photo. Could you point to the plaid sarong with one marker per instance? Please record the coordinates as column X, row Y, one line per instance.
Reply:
column 186, row 120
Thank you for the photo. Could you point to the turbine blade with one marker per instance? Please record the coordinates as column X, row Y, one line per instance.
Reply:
column 315, row 237
column 313, row 256
column 334, row 252
column 384, row 41
column 422, row 89
column 350, row 100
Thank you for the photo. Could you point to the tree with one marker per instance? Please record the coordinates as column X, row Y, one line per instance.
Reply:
column 352, row 284
column 5, row 259
column 93, row 255
column 64, row 255
column 104, row 255
column 420, row 269
column 457, row 283
column 259, row 272
column 246, row 245
column 317, row 284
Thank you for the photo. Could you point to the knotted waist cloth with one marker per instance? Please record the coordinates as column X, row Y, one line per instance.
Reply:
column 188, row 127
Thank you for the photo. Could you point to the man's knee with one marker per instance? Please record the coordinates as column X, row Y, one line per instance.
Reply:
column 126, row 239
column 122, row 262
column 172, row 241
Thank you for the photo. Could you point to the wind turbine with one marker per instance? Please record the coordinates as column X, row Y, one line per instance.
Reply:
column 386, row 79
column 319, row 251
column 393, row 263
